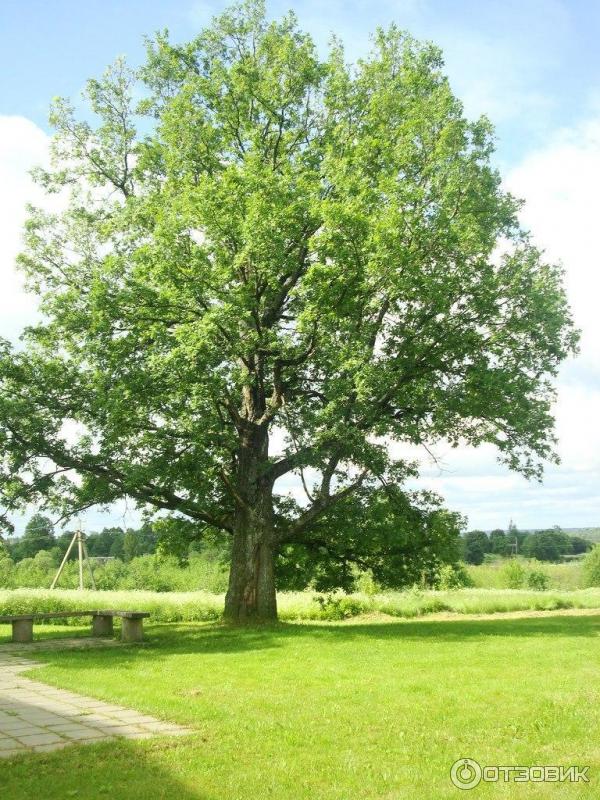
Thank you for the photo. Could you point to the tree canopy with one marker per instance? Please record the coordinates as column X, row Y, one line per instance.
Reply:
column 269, row 263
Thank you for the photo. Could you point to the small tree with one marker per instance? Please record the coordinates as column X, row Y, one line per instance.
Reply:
column 130, row 545
column 580, row 545
column 273, row 264
column 38, row 535
column 476, row 545
column 498, row 544
column 513, row 574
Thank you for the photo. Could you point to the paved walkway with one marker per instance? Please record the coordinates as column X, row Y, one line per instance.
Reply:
column 38, row 718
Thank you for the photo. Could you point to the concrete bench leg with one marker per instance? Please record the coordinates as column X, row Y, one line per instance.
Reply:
column 132, row 630
column 22, row 630
column 102, row 625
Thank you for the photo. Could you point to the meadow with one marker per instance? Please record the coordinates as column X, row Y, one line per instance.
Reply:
column 499, row 574
column 371, row 695
column 301, row 606
column 362, row 709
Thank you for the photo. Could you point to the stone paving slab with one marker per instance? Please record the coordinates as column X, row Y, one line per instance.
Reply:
column 36, row 718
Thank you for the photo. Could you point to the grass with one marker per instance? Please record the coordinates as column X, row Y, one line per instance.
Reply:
column 562, row 577
column 202, row 606
column 333, row 711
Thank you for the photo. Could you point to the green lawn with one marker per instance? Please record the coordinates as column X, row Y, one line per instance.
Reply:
column 348, row 711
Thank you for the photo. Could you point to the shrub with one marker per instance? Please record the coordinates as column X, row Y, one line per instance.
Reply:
column 340, row 606
column 148, row 572
column 365, row 583
column 513, row 574
column 566, row 577
column 7, row 571
column 538, row 580
column 591, row 567
column 453, row 576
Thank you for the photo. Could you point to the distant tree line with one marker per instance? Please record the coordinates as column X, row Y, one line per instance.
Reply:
column 124, row 544
column 546, row 545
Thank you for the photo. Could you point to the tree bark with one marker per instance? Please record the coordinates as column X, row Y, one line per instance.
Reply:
column 251, row 593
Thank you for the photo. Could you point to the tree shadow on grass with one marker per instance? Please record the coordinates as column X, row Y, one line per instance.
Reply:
column 46, row 631
column 166, row 640
column 462, row 630
column 119, row 770
column 223, row 639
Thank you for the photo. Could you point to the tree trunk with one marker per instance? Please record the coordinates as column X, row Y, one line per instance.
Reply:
column 251, row 593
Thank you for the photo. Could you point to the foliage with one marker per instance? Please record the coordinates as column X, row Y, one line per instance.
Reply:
column 591, row 567
column 453, row 576
column 151, row 572
column 268, row 239
column 564, row 576
column 513, row 574
column 476, row 545
column 538, row 580
column 341, row 606
column 38, row 535
column 579, row 544
column 548, row 545
column 107, row 543
column 498, row 543
column 399, row 538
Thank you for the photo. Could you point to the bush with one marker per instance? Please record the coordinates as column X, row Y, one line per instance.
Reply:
column 341, row 606
column 7, row 571
column 512, row 574
column 591, row 567
column 566, row 577
column 365, row 583
column 538, row 580
column 453, row 576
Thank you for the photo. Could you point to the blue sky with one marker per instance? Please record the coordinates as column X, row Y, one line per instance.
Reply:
column 533, row 66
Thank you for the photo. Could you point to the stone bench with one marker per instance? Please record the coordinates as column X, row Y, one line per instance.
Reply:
column 102, row 623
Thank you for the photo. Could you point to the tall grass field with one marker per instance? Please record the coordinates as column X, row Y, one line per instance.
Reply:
column 203, row 606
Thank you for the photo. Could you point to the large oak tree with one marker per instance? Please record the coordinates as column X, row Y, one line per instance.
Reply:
column 273, row 263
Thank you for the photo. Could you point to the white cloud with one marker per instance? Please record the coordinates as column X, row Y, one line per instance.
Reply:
column 22, row 146
column 559, row 183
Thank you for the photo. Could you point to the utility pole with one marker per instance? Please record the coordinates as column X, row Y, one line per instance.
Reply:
column 80, row 556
